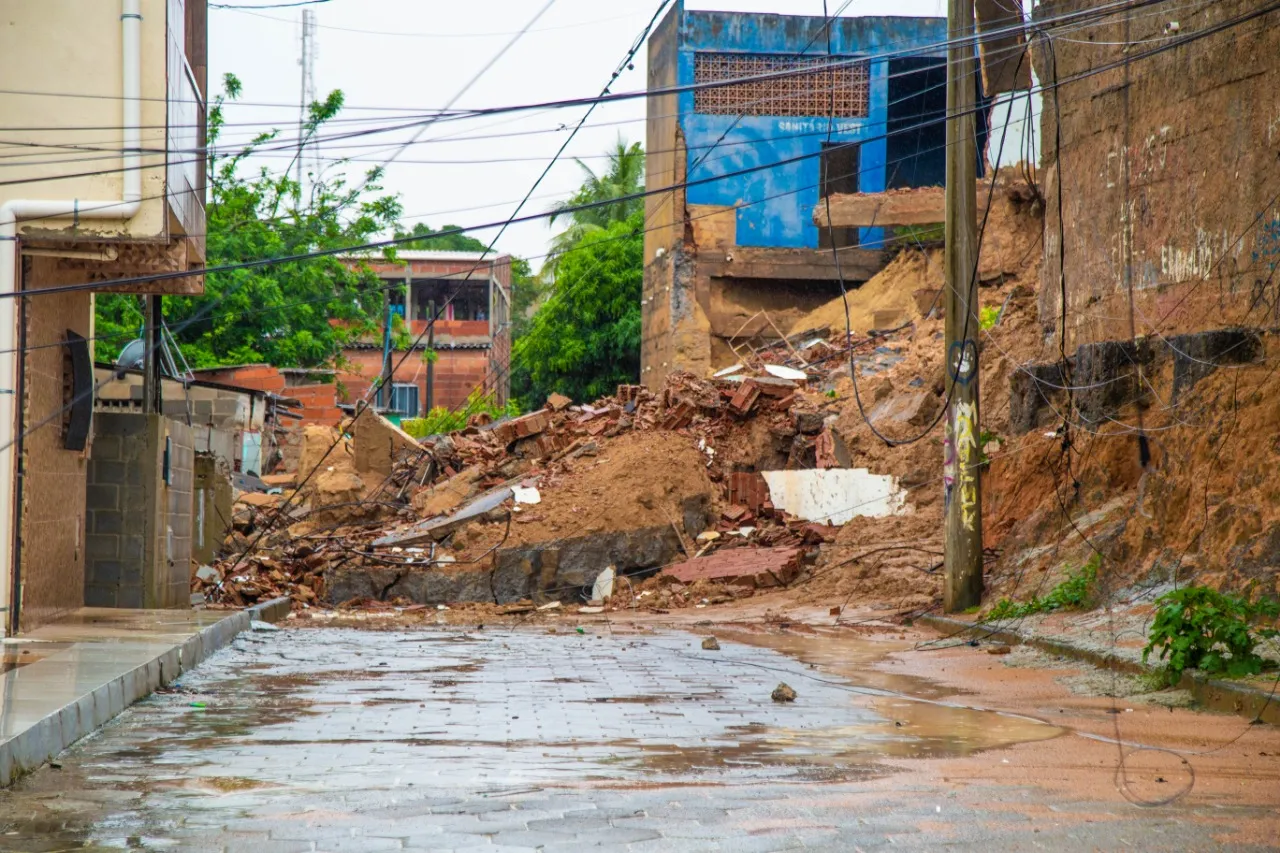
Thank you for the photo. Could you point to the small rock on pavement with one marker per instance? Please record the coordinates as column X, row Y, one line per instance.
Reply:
column 999, row 650
column 784, row 693
column 711, row 644
column 259, row 625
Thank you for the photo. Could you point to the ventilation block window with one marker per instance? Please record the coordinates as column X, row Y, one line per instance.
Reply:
column 802, row 94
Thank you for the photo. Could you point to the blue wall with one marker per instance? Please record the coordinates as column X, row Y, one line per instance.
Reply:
column 786, row 195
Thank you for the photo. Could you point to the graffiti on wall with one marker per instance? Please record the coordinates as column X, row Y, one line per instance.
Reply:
column 1264, row 298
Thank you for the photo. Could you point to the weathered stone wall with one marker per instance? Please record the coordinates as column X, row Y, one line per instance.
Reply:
column 1167, row 173
column 1110, row 375
column 172, row 585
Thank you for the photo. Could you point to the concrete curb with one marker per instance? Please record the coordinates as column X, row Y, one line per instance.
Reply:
column 1248, row 701
column 29, row 749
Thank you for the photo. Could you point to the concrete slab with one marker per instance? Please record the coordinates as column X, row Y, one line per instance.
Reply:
column 63, row 681
column 836, row 495
column 438, row 528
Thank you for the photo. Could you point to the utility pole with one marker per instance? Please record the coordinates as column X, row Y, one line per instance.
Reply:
column 962, row 587
column 307, row 61
column 153, row 323
column 384, row 376
column 431, row 356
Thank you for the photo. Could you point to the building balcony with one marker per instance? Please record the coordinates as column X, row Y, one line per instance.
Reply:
column 124, row 201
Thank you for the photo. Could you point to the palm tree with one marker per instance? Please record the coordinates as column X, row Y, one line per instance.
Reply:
column 623, row 179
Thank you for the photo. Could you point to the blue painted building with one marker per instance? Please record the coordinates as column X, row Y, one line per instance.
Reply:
column 747, row 164
column 788, row 121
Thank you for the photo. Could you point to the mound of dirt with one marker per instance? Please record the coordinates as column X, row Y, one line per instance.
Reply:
column 885, row 302
column 639, row 479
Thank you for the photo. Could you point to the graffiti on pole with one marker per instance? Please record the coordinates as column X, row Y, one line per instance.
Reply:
column 948, row 469
column 965, row 452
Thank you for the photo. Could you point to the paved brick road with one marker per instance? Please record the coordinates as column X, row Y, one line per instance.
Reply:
column 337, row 740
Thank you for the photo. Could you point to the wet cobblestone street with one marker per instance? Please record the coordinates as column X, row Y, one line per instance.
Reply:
column 343, row 740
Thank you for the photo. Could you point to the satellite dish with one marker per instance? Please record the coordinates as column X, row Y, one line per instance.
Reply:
column 133, row 356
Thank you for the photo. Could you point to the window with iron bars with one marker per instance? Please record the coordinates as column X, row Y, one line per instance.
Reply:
column 795, row 95
column 404, row 399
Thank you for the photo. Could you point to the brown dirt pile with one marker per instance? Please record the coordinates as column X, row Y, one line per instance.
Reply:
column 1206, row 510
column 886, row 301
column 639, row 479
column 879, row 562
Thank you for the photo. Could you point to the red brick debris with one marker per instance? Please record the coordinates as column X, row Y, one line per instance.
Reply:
column 758, row 567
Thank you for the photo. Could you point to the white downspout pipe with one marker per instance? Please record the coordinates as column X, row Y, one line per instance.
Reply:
column 17, row 210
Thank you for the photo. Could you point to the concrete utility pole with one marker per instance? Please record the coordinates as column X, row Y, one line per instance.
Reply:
column 307, row 61
column 962, row 586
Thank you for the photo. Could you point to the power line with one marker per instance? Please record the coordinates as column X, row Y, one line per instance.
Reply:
column 581, row 24
column 914, row 49
column 621, row 199
column 268, row 6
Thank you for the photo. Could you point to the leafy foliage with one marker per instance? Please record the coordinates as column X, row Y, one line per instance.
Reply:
column 1200, row 628
column 440, row 420
column 1072, row 594
column 279, row 313
column 988, row 317
column 585, row 340
column 439, row 241
column 624, row 177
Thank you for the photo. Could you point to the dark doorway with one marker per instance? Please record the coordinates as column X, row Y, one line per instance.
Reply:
column 840, row 165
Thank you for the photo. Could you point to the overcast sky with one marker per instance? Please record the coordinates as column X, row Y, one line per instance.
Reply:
column 394, row 57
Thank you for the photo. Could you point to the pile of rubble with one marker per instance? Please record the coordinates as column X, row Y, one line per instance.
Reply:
column 670, row 490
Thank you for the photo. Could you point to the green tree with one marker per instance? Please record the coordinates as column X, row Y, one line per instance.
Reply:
column 624, row 177
column 585, row 339
column 281, row 313
column 439, row 241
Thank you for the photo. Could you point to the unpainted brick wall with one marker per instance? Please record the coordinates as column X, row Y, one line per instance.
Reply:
column 211, row 501
column 1167, row 173
column 457, row 373
column 52, row 530
column 172, row 585
column 120, row 517
column 139, row 544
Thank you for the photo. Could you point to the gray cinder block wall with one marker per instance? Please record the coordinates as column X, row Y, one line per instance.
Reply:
column 139, row 514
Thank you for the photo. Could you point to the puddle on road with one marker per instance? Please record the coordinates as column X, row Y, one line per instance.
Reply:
column 916, row 723
column 19, row 654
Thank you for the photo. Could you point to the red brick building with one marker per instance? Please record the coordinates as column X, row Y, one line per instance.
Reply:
column 472, row 338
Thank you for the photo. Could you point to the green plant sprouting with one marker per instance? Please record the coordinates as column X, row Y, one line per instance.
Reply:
column 988, row 317
column 1072, row 594
column 1196, row 627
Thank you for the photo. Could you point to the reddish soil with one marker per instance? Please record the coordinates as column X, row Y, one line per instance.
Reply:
column 639, row 479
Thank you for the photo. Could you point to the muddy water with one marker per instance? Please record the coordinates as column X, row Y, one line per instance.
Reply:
column 913, row 720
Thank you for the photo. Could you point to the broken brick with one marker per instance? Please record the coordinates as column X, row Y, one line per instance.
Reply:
column 745, row 398
column 748, row 489
column 679, row 417
column 755, row 567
